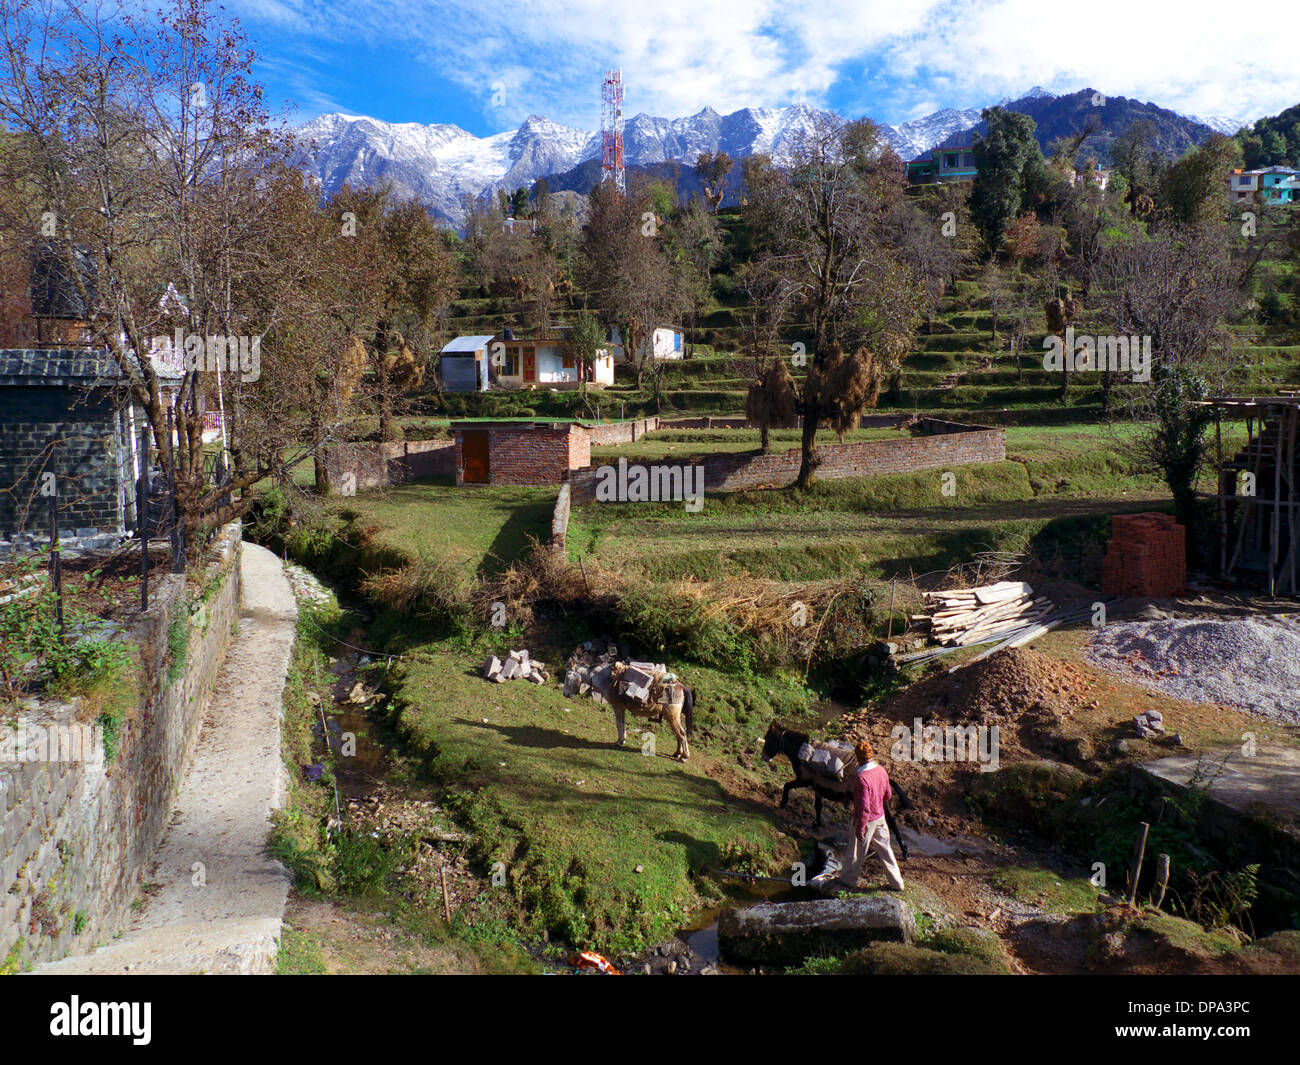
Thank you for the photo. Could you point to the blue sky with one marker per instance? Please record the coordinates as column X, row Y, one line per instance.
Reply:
column 486, row 65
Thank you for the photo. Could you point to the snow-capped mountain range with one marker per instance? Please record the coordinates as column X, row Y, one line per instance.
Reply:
column 441, row 165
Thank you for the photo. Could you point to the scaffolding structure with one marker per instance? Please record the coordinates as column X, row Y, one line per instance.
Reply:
column 611, row 129
column 1258, row 513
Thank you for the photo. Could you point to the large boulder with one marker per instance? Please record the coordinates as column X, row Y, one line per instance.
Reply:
column 786, row 933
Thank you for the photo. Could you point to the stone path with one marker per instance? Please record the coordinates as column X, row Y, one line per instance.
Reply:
column 219, row 900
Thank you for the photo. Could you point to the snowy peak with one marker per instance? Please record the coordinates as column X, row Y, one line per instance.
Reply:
column 442, row 164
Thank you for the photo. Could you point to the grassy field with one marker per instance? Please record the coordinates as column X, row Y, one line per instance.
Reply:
column 1057, row 483
column 487, row 527
column 597, row 844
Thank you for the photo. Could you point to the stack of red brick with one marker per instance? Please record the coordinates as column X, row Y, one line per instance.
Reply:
column 1147, row 556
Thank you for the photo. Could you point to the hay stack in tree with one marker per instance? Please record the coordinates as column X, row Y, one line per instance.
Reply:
column 1060, row 315
column 845, row 386
column 772, row 402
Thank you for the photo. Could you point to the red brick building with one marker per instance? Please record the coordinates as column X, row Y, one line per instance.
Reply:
column 537, row 453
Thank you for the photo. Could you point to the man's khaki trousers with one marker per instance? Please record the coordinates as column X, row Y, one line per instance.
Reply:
column 875, row 842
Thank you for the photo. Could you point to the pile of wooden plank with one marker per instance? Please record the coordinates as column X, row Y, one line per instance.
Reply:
column 973, row 615
column 1006, row 614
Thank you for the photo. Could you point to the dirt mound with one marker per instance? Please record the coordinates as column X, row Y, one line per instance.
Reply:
column 1004, row 690
column 1027, row 695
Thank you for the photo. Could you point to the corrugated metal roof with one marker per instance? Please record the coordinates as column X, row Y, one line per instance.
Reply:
column 470, row 344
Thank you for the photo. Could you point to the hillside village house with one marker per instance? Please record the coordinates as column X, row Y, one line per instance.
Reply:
column 65, row 409
column 668, row 343
column 952, row 159
column 463, row 364
column 467, row 364
column 1269, row 186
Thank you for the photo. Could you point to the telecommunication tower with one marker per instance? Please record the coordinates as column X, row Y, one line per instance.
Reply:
column 611, row 129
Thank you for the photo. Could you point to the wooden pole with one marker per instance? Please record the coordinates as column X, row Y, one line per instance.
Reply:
column 893, row 584
column 56, row 567
column 1221, row 518
column 1275, row 531
column 1162, row 878
column 1138, row 852
column 142, row 506
column 446, row 899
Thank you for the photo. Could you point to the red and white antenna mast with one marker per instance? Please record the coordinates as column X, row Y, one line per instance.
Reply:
column 611, row 129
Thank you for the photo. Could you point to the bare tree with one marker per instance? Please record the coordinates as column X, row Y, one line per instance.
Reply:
column 626, row 268
column 823, row 224
column 152, row 152
column 1175, row 288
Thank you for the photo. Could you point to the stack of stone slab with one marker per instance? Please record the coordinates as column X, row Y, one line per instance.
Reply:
column 517, row 666
column 590, row 666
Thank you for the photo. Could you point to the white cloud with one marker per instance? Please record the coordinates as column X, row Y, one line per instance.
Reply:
column 863, row 56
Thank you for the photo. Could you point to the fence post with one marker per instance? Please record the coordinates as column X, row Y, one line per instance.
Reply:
column 142, row 506
column 178, row 534
column 56, row 566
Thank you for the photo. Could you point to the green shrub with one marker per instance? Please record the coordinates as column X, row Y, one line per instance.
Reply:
column 901, row 959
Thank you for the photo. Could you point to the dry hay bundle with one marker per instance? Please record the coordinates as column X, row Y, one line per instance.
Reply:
column 796, row 614
column 772, row 399
column 352, row 365
column 845, row 386
column 401, row 364
column 544, row 575
column 1061, row 312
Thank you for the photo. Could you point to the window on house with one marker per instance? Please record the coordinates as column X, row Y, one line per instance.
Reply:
column 950, row 161
column 566, row 359
column 968, row 159
column 512, row 362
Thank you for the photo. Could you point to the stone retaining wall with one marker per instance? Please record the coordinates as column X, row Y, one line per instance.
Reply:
column 77, row 835
column 352, row 468
column 560, row 520
column 939, row 444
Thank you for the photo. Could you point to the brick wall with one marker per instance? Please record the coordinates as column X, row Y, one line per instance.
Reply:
column 621, row 432
column 941, row 444
column 530, row 455
column 76, row 434
column 374, row 465
column 76, row 837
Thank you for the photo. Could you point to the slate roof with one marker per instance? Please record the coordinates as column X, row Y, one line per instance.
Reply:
column 56, row 366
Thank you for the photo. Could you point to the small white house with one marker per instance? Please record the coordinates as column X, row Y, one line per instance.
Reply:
column 463, row 364
column 533, row 362
column 478, row 363
column 668, row 343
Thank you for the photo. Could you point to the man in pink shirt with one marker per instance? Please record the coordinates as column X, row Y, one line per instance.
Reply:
column 870, row 833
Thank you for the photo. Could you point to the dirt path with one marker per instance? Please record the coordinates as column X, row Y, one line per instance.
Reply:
column 214, row 902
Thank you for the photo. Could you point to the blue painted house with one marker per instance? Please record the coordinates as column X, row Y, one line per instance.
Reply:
column 952, row 159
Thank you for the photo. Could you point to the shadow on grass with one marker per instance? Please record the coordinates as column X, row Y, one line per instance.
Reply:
column 700, row 853
column 544, row 738
column 512, row 539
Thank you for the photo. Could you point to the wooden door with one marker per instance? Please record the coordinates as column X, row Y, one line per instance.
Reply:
column 474, row 455
column 530, row 364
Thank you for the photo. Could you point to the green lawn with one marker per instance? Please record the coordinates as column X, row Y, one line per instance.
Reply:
column 599, row 845
column 1057, row 485
column 489, row 525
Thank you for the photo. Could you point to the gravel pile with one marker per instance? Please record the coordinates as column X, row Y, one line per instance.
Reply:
column 1248, row 663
